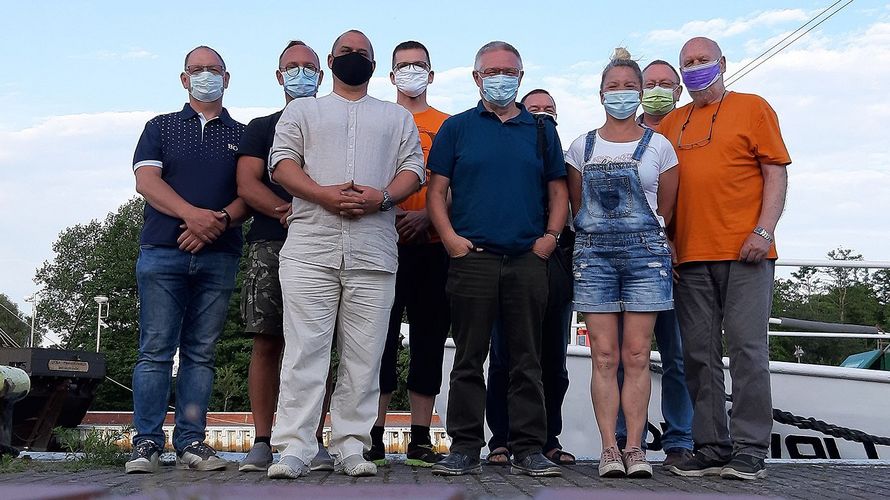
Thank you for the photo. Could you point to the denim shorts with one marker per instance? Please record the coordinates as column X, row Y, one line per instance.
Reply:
column 622, row 272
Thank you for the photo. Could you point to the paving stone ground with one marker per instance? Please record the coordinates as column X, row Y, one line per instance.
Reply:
column 792, row 481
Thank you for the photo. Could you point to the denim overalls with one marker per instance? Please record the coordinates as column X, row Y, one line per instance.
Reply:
column 622, row 261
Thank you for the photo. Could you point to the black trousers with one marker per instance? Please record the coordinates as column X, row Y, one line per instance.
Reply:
column 554, row 343
column 484, row 288
column 420, row 293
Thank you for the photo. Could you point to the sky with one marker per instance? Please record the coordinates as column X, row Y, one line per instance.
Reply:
column 80, row 79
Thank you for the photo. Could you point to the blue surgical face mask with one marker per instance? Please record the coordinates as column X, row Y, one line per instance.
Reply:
column 500, row 90
column 300, row 85
column 206, row 86
column 621, row 104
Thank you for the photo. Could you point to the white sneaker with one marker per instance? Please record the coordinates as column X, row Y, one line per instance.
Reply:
column 356, row 466
column 289, row 467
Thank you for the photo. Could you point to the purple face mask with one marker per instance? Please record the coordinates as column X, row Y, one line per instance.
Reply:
column 702, row 76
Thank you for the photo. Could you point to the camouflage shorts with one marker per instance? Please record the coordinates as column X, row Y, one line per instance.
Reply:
column 261, row 304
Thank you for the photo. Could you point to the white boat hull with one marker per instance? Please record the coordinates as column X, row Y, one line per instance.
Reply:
column 847, row 397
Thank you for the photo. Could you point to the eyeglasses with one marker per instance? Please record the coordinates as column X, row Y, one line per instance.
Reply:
column 665, row 84
column 499, row 71
column 309, row 70
column 415, row 65
column 216, row 69
column 703, row 142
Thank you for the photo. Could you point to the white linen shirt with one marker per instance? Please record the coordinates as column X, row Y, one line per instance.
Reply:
column 336, row 140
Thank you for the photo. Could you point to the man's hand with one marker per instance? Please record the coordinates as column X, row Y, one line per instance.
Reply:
column 335, row 199
column 205, row 224
column 412, row 225
column 367, row 201
column 189, row 242
column 754, row 249
column 544, row 246
column 673, row 249
column 457, row 246
column 285, row 210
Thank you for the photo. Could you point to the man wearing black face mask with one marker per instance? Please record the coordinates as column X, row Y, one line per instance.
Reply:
column 347, row 159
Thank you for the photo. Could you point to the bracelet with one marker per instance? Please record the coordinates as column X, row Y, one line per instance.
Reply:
column 228, row 218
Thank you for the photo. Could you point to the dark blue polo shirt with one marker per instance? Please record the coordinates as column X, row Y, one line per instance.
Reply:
column 256, row 142
column 498, row 178
column 198, row 163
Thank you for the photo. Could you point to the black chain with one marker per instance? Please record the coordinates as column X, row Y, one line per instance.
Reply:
column 810, row 423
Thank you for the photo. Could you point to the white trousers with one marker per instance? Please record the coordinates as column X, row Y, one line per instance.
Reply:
column 315, row 298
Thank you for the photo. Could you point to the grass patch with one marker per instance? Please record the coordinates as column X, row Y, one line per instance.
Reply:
column 91, row 450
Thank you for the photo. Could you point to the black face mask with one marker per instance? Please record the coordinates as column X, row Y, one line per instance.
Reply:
column 352, row 68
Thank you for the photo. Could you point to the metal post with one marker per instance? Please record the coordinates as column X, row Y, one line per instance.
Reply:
column 33, row 301
column 100, row 300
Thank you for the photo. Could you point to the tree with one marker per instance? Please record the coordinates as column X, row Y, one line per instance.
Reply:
column 14, row 324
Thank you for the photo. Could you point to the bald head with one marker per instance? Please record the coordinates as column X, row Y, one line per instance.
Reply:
column 353, row 41
column 699, row 50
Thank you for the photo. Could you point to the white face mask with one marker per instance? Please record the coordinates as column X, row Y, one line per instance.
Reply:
column 206, row 86
column 412, row 81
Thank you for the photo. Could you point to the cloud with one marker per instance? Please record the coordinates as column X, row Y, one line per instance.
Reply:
column 721, row 28
column 125, row 55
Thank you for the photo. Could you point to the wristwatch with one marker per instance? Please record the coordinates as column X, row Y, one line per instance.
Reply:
column 227, row 216
column 555, row 234
column 387, row 203
column 763, row 233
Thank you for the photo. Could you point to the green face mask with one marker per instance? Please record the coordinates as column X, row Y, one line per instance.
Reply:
column 658, row 101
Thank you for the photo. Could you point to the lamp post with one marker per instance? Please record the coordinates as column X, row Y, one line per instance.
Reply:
column 33, row 300
column 100, row 301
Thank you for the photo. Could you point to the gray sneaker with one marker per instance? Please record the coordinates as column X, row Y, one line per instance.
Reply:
column 289, row 467
column 258, row 459
column 144, row 458
column 322, row 460
column 356, row 466
column 199, row 456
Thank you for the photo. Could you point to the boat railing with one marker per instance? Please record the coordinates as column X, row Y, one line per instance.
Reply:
column 853, row 332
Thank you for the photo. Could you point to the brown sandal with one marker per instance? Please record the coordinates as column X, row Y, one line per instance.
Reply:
column 494, row 458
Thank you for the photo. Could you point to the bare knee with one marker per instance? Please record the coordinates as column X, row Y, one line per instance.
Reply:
column 635, row 359
column 605, row 361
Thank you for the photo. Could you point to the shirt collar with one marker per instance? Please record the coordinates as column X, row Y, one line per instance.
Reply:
column 188, row 112
column 523, row 117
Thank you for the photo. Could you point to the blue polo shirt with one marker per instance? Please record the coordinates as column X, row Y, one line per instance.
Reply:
column 197, row 159
column 498, row 179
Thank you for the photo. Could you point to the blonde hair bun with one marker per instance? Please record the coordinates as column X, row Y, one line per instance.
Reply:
column 621, row 54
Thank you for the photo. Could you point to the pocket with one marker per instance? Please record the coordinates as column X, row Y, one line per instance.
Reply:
column 608, row 196
column 657, row 246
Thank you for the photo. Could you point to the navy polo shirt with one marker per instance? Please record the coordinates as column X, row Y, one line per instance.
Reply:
column 498, row 179
column 256, row 142
column 198, row 161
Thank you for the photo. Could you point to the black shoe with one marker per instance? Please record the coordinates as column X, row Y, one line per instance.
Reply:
column 376, row 454
column 457, row 464
column 422, row 456
column 676, row 456
column 744, row 467
column 145, row 458
column 698, row 465
column 535, row 465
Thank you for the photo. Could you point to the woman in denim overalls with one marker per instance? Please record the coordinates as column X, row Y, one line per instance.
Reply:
column 622, row 261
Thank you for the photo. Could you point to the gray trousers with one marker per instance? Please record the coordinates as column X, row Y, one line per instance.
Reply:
column 734, row 297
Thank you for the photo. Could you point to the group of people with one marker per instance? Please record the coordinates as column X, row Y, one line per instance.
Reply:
column 477, row 224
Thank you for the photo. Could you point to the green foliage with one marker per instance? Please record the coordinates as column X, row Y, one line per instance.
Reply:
column 92, row 449
column 834, row 295
column 14, row 323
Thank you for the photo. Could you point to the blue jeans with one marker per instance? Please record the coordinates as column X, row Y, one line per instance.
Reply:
column 676, row 406
column 183, row 300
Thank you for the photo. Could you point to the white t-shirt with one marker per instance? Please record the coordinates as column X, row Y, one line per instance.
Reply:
column 658, row 158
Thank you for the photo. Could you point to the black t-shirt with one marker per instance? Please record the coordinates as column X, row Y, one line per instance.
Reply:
column 257, row 142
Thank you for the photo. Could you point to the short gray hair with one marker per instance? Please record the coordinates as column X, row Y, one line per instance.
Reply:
column 496, row 45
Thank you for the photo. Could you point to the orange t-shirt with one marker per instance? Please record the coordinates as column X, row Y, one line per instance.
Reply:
column 428, row 123
column 721, row 184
